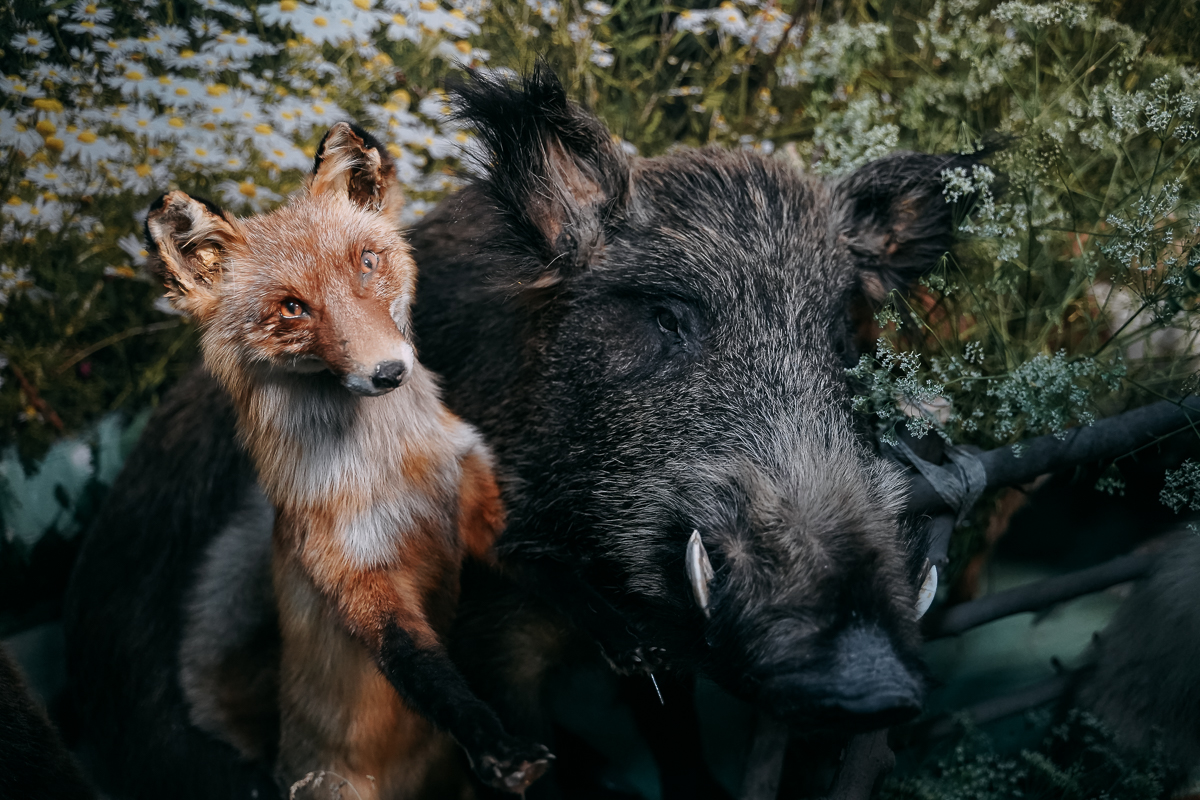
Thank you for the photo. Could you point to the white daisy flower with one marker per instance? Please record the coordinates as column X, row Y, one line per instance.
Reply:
column 145, row 178
column 241, row 45
column 693, row 20
column 171, row 90
column 205, row 152
column 204, row 28
column 87, row 28
column 118, row 47
column 136, row 80
column 17, row 87
column 134, row 247
column 400, row 29
column 85, row 11
column 40, row 214
column 246, row 194
column 60, row 179
column 19, row 134
column 182, row 59
column 91, row 148
column 221, row 7
column 33, row 42
column 172, row 35
column 278, row 14
column 281, row 154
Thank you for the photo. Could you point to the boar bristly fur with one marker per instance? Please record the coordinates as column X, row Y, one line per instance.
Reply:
column 379, row 491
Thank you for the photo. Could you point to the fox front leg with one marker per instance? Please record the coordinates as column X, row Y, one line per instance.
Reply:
column 431, row 684
column 384, row 609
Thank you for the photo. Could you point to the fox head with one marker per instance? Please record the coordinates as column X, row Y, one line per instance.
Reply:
column 322, row 283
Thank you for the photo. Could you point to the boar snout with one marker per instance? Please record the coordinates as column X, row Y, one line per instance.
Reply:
column 863, row 686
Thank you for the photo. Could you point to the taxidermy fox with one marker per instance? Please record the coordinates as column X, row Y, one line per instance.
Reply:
column 379, row 491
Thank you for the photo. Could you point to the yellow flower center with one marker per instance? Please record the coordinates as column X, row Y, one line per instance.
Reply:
column 200, row 151
column 287, row 5
column 142, row 170
column 175, row 122
column 87, row 24
column 89, row 9
column 134, row 75
column 263, row 128
column 48, row 104
column 15, row 201
column 186, row 53
column 209, row 126
column 45, row 127
column 399, row 19
column 33, row 41
column 182, row 92
column 51, row 176
column 320, row 22
column 463, row 47
column 428, row 5
column 363, row 4
column 87, row 137
column 247, row 188
column 454, row 12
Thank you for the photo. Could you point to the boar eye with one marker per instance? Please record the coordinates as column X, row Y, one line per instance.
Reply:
column 667, row 320
column 369, row 262
column 292, row 308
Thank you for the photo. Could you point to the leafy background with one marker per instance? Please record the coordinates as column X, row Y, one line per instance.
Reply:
column 1072, row 296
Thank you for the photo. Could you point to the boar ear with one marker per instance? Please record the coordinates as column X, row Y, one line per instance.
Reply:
column 894, row 217
column 188, row 239
column 352, row 162
column 552, row 170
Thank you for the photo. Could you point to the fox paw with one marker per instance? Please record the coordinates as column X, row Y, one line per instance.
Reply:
column 516, row 770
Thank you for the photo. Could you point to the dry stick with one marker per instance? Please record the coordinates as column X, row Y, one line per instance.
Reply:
column 1105, row 440
column 35, row 399
column 867, row 758
column 991, row 710
column 764, row 765
column 116, row 337
column 1039, row 594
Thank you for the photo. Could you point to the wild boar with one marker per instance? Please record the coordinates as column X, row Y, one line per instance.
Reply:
column 656, row 349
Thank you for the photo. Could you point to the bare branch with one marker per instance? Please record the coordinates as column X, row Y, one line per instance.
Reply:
column 1106, row 440
column 1038, row 595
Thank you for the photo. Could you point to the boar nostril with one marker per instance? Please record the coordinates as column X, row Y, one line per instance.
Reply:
column 389, row 374
column 864, row 686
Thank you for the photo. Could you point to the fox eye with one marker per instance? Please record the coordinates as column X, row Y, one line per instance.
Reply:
column 667, row 321
column 292, row 308
column 369, row 262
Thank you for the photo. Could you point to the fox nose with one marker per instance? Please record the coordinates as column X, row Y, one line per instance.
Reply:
column 389, row 374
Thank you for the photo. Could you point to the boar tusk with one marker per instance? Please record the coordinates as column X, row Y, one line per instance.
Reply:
column 928, row 590
column 699, row 571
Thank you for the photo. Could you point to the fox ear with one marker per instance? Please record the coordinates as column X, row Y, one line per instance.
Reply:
column 896, row 220
column 352, row 162
column 188, row 239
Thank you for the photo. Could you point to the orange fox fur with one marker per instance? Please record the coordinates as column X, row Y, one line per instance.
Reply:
column 379, row 495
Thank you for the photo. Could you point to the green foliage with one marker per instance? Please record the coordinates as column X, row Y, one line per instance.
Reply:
column 1078, row 760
